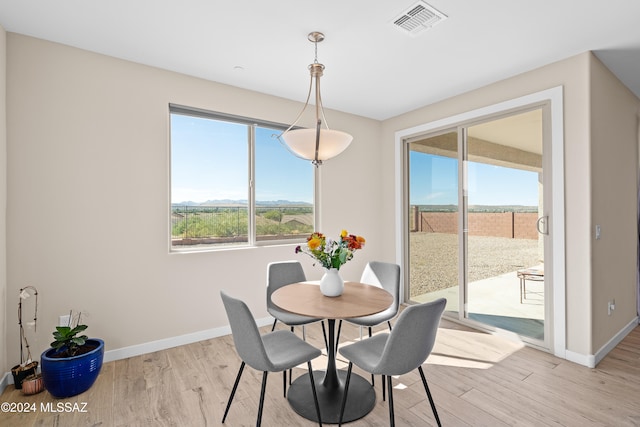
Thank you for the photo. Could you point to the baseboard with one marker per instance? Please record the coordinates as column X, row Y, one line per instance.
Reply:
column 588, row 360
column 591, row 360
column 615, row 340
column 6, row 380
column 150, row 347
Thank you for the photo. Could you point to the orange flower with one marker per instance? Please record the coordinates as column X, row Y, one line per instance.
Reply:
column 314, row 243
column 353, row 244
column 360, row 240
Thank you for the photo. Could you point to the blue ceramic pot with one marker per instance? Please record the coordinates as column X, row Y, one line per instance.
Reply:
column 68, row 376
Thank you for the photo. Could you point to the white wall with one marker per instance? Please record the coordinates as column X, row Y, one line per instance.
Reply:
column 88, row 185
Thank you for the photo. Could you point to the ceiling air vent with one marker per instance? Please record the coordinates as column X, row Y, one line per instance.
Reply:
column 418, row 17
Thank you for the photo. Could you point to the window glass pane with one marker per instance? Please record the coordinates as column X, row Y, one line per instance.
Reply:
column 211, row 178
column 283, row 190
column 209, row 182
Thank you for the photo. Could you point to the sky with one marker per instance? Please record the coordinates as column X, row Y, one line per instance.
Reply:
column 434, row 181
column 209, row 161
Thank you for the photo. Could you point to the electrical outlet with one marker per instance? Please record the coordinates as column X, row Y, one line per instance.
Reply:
column 64, row 320
column 611, row 306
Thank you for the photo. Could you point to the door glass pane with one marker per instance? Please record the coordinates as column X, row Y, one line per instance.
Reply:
column 504, row 250
column 433, row 222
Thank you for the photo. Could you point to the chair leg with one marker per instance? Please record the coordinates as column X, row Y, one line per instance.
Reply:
column 384, row 387
column 324, row 333
column 392, row 420
column 284, row 383
column 262, row 390
column 315, row 393
column 373, row 377
column 290, row 371
column 346, row 392
column 274, row 324
column 426, row 387
column 338, row 336
column 233, row 392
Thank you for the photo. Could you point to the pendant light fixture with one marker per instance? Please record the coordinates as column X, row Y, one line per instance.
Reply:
column 319, row 143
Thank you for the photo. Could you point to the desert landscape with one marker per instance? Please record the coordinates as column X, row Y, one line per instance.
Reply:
column 434, row 259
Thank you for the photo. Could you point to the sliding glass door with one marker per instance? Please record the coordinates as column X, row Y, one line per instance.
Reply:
column 477, row 231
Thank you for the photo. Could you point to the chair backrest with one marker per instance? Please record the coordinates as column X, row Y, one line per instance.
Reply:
column 246, row 335
column 412, row 338
column 384, row 275
column 283, row 273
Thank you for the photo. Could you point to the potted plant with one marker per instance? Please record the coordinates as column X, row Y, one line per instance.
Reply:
column 73, row 362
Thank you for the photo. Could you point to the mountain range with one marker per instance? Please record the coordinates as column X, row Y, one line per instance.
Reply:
column 244, row 202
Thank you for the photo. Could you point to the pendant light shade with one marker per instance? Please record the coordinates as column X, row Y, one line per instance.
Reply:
column 303, row 143
column 317, row 144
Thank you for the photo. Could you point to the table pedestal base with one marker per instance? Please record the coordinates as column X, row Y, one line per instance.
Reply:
column 361, row 400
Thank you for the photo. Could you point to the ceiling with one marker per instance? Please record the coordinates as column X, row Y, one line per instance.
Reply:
column 522, row 131
column 373, row 69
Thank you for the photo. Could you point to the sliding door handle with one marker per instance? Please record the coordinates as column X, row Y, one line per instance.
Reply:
column 542, row 225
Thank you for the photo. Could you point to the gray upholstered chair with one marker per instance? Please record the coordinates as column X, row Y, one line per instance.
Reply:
column 280, row 274
column 401, row 351
column 271, row 352
column 387, row 276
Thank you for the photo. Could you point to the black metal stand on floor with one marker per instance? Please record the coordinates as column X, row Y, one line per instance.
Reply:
column 330, row 389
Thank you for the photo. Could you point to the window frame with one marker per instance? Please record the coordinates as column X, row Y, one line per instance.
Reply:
column 252, row 124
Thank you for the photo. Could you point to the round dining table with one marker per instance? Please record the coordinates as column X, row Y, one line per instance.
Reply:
column 357, row 299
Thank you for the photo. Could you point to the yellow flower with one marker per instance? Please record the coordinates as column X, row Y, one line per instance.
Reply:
column 344, row 233
column 314, row 243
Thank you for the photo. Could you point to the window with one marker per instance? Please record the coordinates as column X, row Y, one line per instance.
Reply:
column 233, row 183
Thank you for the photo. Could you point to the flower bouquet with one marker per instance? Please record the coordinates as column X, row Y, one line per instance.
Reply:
column 332, row 254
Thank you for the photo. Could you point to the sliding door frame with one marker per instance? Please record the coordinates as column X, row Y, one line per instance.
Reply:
column 551, row 101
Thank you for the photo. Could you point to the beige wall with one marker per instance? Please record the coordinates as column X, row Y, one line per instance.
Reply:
column 88, row 196
column 3, row 203
column 574, row 75
column 614, row 203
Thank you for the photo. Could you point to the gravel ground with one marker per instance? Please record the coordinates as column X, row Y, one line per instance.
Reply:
column 434, row 259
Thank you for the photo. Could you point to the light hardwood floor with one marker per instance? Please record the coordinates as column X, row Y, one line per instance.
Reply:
column 476, row 380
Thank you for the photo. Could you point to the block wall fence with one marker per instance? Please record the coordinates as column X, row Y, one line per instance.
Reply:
column 513, row 225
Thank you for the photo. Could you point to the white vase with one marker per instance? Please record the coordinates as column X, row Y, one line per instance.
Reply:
column 331, row 284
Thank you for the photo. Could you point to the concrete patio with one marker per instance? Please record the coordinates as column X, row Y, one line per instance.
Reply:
column 496, row 302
